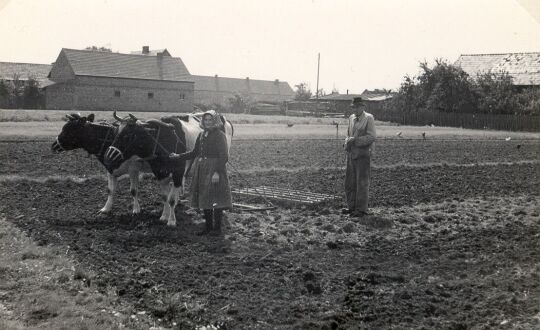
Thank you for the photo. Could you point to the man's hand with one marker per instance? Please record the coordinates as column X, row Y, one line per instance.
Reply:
column 215, row 178
column 173, row 155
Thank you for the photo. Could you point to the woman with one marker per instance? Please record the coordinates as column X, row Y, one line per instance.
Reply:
column 210, row 189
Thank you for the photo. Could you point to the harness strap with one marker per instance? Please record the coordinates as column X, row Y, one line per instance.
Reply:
column 103, row 144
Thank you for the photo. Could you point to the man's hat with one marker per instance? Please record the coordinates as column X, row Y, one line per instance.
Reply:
column 357, row 101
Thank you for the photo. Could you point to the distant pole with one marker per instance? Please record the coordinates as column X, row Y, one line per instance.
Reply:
column 318, row 66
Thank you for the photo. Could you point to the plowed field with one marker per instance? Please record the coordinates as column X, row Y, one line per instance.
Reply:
column 452, row 242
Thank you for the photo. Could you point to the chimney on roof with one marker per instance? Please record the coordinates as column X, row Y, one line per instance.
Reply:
column 215, row 76
column 146, row 50
column 347, row 92
column 276, row 81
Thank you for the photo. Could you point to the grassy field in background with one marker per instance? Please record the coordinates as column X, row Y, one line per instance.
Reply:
column 20, row 115
column 44, row 124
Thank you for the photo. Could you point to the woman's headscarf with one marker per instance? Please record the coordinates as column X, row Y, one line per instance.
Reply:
column 216, row 120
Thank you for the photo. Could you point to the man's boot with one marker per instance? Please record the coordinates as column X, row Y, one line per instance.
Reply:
column 207, row 222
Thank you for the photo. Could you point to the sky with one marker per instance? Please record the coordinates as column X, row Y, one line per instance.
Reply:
column 362, row 44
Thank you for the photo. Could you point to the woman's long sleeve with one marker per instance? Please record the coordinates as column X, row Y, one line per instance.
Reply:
column 193, row 153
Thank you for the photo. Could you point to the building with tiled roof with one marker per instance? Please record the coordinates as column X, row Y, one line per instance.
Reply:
column 210, row 90
column 218, row 90
column 524, row 68
column 25, row 71
column 95, row 80
column 146, row 80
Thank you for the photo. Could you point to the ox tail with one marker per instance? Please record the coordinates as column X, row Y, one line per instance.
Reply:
column 232, row 128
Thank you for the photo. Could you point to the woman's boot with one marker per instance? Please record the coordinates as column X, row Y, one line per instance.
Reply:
column 207, row 222
column 218, row 217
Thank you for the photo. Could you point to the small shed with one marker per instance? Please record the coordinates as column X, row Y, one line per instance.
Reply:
column 374, row 101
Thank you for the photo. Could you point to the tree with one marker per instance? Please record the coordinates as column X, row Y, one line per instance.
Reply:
column 4, row 94
column 32, row 95
column 446, row 88
column 241, row 103
column 99, row 49
column 495, row 93
column 302, row 92
column 15, row 90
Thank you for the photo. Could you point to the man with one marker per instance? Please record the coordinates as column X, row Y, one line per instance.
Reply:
column 360, row 136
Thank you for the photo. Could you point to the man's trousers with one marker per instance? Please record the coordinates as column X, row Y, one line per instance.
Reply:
column 357, row 183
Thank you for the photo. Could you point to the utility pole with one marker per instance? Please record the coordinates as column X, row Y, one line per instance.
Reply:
column 318, row 66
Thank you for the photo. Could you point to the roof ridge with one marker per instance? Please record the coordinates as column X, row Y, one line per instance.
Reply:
column 25, row 63
column 97, row 51
column 498, row 54
column 250, row 79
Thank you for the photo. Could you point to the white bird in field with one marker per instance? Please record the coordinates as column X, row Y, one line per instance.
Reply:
column 398, row 134
column 508, row 138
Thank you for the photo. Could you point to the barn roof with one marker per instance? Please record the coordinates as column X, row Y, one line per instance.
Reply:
column 25, row 71
column 222, row 84
column 523, row 67
column 116, row 65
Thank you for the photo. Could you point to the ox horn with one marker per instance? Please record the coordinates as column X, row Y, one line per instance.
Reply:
column 116, row 117
column 133, row 117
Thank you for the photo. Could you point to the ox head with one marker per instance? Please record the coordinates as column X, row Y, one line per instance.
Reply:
column 72, row 133
column 133, row 139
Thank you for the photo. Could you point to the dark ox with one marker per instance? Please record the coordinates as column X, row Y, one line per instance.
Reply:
column 153, row 141
column 81, row 133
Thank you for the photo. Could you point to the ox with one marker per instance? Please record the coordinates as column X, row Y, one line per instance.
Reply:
column 81, row 133
column 153, row 141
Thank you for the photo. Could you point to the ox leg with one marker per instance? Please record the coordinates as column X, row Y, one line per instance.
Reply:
column 134, row 190
column 172, row 200
column 186, row 172
column 165, row 189
column 112, row 183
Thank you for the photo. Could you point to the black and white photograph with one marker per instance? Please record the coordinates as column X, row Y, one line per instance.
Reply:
column 269, row 164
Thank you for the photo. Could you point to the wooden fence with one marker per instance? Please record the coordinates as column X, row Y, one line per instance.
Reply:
column 465, row 120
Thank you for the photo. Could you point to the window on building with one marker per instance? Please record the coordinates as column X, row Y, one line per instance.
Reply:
column 117, row 93
column 150, row 95
column 182, row 96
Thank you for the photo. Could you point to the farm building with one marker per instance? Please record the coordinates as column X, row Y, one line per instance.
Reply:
column 96, row 80
column 374, row 100
column 218, row 90
column 210, row 90
column 145, row 80
column 523, row 67
column 24, row 71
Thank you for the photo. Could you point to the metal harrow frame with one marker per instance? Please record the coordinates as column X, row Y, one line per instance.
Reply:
column 285, row 194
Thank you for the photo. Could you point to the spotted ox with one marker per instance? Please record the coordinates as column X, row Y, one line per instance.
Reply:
column 82, row 133
column 153, row 141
